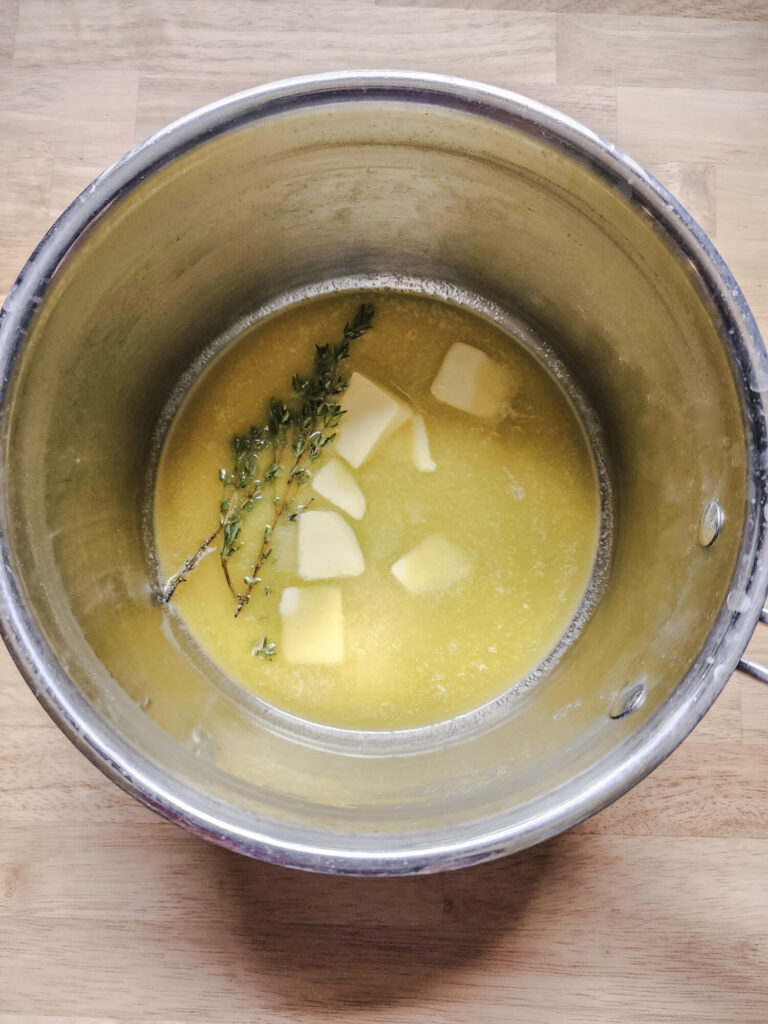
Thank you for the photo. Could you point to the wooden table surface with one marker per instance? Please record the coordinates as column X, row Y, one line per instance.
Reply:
column 656, row 910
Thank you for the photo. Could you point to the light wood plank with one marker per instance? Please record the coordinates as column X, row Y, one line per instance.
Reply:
column 741, row 199
column 646, row 938
column 36, row 1018
column 54, row 103
column 79, row 882
column 83, row 120
column 66, row 785
column 274, row 42
column 742, row 232
column 733, row 10
column 26, row 175
column 688, row 52
column 694, row 185
column 572, row 931
column 9, row 10
column 43, row 778
column 86, row 119
column 658, row 124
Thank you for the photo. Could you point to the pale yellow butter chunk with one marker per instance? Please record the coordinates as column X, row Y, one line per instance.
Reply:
column 434, row 564
column 422, row 457
column 328, row 547
column 372, row 415
column 337, row 484
column 312, row 625
column 470, row 381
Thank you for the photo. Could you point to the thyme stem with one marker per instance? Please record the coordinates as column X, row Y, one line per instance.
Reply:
column 228, row 578
column 191, row 563
column 304, row 425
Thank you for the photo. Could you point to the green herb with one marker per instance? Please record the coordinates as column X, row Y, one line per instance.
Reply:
column 265, row 649
column 299, row 510
column 274, row 456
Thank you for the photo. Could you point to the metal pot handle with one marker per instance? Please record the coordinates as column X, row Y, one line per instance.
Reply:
column 751, row 667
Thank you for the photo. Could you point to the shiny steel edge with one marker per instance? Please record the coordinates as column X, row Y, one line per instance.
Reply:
column 706, row 677
column 753, row 668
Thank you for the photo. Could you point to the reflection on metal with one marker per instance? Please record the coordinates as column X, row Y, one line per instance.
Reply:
column 628, row 699
column 752, row 668
column 711, row 523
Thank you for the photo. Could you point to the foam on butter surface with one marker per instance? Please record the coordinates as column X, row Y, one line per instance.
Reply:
column 312, row 625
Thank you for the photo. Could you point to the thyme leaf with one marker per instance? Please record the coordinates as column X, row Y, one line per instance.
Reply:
column 272, row 456
column 265, row 649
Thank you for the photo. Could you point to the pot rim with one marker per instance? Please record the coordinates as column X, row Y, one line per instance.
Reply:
column 607, row 779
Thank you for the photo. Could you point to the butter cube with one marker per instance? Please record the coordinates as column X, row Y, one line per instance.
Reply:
column 328, row 547
column 434, row 564
column 337, row 484
column 422, row 457
column 470, row 381
column 372, row 415
column 312, row 622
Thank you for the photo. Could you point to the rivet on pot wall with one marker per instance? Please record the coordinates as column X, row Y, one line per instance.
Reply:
column 628, row 699
column 710, row 524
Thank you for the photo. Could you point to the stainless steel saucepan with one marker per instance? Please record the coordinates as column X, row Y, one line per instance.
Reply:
column 382, row 178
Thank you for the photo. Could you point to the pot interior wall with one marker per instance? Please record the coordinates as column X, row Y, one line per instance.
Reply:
column 300, row 197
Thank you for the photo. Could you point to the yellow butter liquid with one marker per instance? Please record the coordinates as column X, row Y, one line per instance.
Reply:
column 517, row 495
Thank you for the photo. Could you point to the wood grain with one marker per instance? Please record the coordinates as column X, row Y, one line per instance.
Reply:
column 277, row 39
column 692, row 124
column 742, row 10
column 693, row 183
column 702, row 53
column 656, row 910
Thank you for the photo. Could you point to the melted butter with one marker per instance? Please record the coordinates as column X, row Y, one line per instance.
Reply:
column 518, row 496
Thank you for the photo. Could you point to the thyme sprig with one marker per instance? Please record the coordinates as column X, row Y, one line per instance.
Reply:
column 276, row 457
